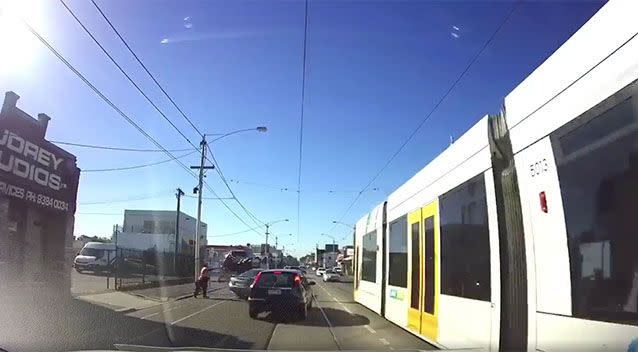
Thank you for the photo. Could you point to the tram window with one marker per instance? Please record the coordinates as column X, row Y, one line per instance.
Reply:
column 398, row 270
column 416, row 266
column 430, row 263
column 599, row 189
column 465, row 244
column 369, row 262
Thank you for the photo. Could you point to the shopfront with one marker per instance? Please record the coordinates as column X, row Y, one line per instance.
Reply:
column 38, row 190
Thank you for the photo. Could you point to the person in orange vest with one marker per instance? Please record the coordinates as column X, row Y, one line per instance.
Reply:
column 202, row 281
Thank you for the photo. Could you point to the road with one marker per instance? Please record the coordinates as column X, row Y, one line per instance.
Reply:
column 222, row 321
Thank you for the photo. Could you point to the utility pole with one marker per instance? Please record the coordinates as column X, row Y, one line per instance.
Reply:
column 179, row 195
column 267, row 248
column 199, row 190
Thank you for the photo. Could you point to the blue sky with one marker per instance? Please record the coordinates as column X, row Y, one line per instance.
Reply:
column 374, row 69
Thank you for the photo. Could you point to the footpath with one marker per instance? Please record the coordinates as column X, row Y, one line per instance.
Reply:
column 133, row 300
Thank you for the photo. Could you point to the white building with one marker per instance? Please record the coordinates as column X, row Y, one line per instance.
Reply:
column 162, row 222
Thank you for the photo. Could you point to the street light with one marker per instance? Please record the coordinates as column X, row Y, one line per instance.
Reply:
column 268, row 225
column 201, row 167
column 261, row 129
column 343, row 223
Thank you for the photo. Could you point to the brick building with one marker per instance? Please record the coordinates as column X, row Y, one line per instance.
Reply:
column 38, row 190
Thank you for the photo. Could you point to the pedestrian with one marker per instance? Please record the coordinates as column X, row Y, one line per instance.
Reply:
column 202, row 281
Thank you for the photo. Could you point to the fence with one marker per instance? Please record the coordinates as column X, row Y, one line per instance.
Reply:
column 135, row 268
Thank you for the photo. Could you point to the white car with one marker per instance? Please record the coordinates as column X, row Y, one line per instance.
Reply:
column 320, row 271
column 330, row 275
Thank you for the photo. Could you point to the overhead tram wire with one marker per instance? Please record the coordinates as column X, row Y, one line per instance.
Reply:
column 429, row 114
column 88, row 32
column 301, row 119
column 119, row 111
column 134, row 167
column 93, row 146
column 146, row 69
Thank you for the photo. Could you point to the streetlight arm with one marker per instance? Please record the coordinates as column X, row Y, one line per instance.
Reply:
column 259, row 129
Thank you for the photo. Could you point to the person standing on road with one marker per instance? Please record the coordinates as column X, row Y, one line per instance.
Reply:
column 202, row 281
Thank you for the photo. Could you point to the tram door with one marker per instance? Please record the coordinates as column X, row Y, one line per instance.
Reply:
column 423, row 225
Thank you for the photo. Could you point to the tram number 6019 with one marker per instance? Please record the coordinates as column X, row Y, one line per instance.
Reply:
column 538, row 167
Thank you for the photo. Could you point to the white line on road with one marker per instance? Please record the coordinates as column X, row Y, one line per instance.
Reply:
column 372, row 331
column 384, row 341
column 162, row 311
column 346, row 309
column 329, row 294
column 199, row 311
column 334, row 337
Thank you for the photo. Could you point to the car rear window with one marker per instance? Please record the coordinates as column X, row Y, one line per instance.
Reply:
column 250, row 273
column 276, row 279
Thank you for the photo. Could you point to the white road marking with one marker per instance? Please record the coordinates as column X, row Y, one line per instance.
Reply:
column 161, row 311
column 384, row 341
column 372, row 331
column 199, row 311
column 331, row 329
column 329, row 294
column 346, row 309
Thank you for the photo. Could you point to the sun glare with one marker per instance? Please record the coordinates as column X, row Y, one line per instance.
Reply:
column 18, row 45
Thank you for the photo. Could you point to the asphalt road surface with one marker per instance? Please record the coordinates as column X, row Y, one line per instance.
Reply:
column 42, row 322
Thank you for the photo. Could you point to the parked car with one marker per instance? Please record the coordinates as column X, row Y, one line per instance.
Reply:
column 280, row 291
column 337, row 270
column 331, row 275
column 240, row 284
column 320, row 271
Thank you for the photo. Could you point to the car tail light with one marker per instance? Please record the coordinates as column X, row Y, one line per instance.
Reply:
column 257, row 278
column 297, row 280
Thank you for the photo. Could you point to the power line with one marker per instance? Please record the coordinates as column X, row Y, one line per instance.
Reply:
column 100, row 94
column 93, row 146
column 211, row 198
column 124, row 168
column 170, row 99
column 301, row 119
column 145, row 69
column 163, row 194
column 86, row 30
column 122, row 114
column 235, row 233
column 223, row 178
column 289, row 189
column 427, row 117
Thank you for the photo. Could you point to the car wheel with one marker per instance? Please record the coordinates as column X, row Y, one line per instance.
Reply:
column 253, row 312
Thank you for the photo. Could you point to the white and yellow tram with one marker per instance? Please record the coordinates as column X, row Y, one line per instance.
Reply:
column 523, row 234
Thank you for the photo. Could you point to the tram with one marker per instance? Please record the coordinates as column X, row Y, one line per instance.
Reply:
column 523, row 234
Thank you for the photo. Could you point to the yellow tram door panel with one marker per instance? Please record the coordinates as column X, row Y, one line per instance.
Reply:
column 415, row 271
column 430, row 271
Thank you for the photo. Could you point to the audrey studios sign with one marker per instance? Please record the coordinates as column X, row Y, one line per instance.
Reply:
column 34, row 173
